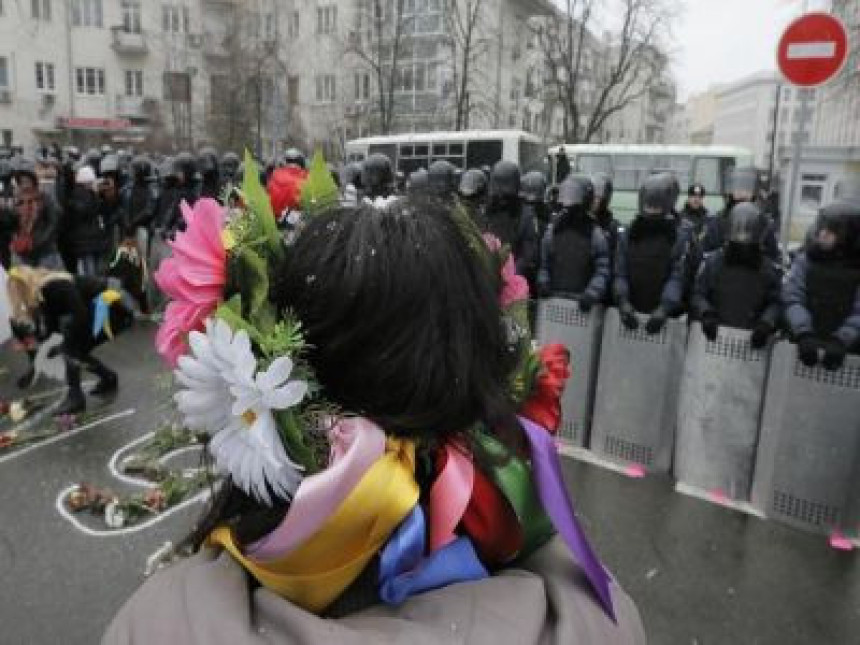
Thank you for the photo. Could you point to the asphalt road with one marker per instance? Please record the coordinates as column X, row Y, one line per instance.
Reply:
column 699, row 573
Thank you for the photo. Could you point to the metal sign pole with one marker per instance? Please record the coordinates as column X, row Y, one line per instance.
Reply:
column 791, row 202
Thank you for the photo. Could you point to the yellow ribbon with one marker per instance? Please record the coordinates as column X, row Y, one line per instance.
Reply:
column 314, row 574
column 109, row 296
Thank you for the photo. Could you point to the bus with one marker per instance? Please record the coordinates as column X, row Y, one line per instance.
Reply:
column 466, row 149
column 629, row 165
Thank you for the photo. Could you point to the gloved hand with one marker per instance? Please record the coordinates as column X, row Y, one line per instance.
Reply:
column 834, row 353
column 586, row 302
column 710, row 325
column 656, row 322
column 628, row 316
column 807, row 350
column 760, row 334
column 543, row 290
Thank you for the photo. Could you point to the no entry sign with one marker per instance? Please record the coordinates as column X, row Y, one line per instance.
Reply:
column 812, row 50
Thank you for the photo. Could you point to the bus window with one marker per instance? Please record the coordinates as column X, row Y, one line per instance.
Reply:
column 709, row 173
column 355, row 157
column 388, row 149
column 412, row 157
column 629, row 171
column 452, row 153
column 532, row 157
column 483, row 153
column 678, row 165
column 590, row 164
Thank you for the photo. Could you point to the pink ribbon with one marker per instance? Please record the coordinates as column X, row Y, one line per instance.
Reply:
column 450, row 496
column 356, row 444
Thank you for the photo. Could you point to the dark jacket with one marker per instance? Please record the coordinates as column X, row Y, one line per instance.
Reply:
column 597, row 264
column 45, row 231
column 140, row 207
column 715, row 236
column 83, row 225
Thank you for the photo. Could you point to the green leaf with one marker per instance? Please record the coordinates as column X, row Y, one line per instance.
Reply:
column 319, row 192
column 231, row 313
column 251, row 276
column 260, row 208
column 294, row 441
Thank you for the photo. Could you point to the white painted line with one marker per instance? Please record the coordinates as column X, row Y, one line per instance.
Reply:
column 735, row 505
column 200, row 497
column 65, row 435
column 813, row 50
column 139, row 481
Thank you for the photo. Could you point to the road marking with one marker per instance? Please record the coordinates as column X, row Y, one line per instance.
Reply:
column 809, row 51
column 139, row 481
column 65, row 435
column 200, row 497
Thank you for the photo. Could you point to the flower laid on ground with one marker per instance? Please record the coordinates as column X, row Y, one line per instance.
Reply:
column 193, row 278
column 544, row 405
column 4, row 407
column 115, row 515
column 7, row 439
column 155, row 500
column 18, row 411
column 66, row 422
column 226, row 395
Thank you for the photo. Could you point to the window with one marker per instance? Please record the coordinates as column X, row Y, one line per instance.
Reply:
column 7, row 138
column 326, row 89
column 707, row 173
column 4, row 73
column 175, row 19
column 590, row 164
column 416, row 77
column 90, row 80
column 362, row 87
column 131, row 16
column 87, row 13
column 412, row 157
column 270, row 26
column 293, row 25
column 293, row 90
column 483, row 153
column 812, row 191
column 41, row 9
column 133, row 83
column 177, row 87
column 327, row 19
column 45, row 77
column 533, row 157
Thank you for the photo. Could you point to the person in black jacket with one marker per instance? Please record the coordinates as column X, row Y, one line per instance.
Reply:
column 507, row 220
column 69, row 305
column 33, row 227
column 83, row 224
column 822, row 293
column 737, row 285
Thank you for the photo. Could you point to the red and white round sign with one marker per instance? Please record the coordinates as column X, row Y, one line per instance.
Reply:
column 813, row 49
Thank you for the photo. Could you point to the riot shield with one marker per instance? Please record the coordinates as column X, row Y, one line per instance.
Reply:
column 808, row 464
column 719, row 412
column 561, row 321
column 636, row 405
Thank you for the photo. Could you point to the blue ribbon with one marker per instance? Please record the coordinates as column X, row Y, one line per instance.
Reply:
column 405, row 572
column 100, row 315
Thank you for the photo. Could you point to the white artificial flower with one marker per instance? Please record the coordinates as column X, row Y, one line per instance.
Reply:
column 115, row 516
column 226, row 396
column 382, row 203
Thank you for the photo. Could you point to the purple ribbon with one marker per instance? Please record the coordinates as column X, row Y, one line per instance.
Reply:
column 546, row 471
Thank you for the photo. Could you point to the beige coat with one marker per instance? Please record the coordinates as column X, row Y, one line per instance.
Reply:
column 208, row 600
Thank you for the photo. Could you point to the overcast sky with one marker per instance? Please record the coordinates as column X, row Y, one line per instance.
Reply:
column 719, row 41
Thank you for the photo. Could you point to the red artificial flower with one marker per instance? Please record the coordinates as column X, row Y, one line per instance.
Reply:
column 7, row 439
column 285, row 189
column 544, row 406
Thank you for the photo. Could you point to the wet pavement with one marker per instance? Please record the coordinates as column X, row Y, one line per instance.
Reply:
column 701, row 574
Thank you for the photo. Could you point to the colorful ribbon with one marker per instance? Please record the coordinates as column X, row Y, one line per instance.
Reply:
column 450, row 494
column 405, row 572
column 356, row 444
column 314, row 574
column 101, row 314
column 546, row 469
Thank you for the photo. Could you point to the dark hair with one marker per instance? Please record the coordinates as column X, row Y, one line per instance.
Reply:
column 402, row 317
column 404, row 325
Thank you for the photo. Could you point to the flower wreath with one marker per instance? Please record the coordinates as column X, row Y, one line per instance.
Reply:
column 352, row 488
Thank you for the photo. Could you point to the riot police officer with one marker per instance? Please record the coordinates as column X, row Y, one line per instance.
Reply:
column 441, row 178
column 822, row 293
column 533, row 193
column 506, row 220
column 737, row 285
column 743, row 185
column 650, row 259
column 295, row 157
column 603, row 213
column 472, row 193
column 377, row 176
column 574, row 253
column 210, row 171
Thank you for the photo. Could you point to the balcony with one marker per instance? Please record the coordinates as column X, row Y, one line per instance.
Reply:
column 128, row 43
column 132, row 107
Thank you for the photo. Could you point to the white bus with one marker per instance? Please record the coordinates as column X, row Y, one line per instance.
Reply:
column 466, row 149
column 629, row 165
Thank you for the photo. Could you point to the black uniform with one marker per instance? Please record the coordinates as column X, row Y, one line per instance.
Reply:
column 472, row 193
column 737, row 285
column 506, row 220
column 574, row 253
column 822, row 292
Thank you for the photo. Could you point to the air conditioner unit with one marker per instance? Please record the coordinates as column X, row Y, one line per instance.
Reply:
column 5, row 96
column 195, row 40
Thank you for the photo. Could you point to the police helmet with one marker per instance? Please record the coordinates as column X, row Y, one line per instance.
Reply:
column 473, row 184
column 576, row 191
column 747, row 224
column 505, row 179
column 377, row 174
column 440, row 176
column 295, row 157
column 533, row 187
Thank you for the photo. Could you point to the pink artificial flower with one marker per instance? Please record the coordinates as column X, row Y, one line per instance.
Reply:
column 193, row 277
column 514, row 287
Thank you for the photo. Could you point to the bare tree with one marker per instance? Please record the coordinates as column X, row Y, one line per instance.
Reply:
column 616, row 73
column 465, row 26
column 378, row 42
